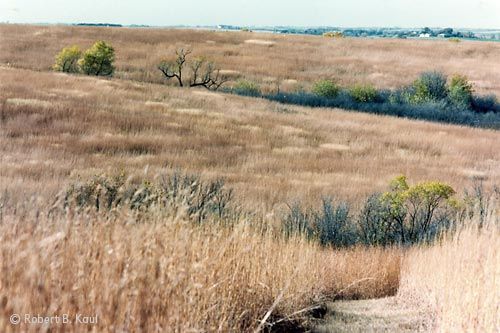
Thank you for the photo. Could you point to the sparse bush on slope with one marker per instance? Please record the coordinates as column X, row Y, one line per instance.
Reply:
column 246, row 88
column 461, row 91
column 98, row 60
column 363, row 93
column 326, row 88
column 176, row 195
column 67, row 60
column 203, row 73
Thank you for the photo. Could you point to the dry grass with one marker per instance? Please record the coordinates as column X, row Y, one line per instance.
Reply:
column 459, row 280
column 55, row 127
column 266, row 58
column 170, row 276
column 167, row 275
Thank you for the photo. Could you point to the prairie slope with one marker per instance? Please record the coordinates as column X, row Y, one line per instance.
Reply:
column 295, row 61
column 55, row 127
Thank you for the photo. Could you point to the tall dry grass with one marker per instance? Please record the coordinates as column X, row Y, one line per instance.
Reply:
column 458, row 280
column 172, row 276
column 56, row 127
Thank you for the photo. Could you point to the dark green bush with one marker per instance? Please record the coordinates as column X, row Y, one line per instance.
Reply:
column 333, row 225
column 485, row 104
column 374, row 225
column 330, row 225
column 429, row 98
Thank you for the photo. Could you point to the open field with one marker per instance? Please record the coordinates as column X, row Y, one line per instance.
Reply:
column 56, row 129
column 294, row 61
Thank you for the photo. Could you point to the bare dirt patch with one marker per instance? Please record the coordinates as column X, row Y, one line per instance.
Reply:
column 28, row 102
column 260, row 42
column 335, row 146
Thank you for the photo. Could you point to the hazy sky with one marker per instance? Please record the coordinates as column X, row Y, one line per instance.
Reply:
column 403, row 13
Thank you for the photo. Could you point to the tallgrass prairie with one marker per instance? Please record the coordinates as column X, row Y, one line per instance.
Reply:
column 166, row 274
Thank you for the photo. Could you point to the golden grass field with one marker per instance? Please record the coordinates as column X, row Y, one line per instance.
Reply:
column 168, row 275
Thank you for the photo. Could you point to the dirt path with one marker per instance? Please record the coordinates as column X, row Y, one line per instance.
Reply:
column 378, row 315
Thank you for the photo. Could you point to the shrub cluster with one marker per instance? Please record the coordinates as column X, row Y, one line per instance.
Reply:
column 403, row 215
column 176, row 194
column 429, row 97
column 98, row 60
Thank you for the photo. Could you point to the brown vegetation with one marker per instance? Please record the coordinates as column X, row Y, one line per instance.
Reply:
column 266, row 58
column 55, row 128
column 457, row 280
column 170, row 276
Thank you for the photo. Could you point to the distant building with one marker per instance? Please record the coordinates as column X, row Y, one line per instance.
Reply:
column 426, row 35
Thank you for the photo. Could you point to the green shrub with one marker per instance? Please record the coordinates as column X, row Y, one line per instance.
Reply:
column 246, row 88
column 67, row 60
column 326, row 88
column 98, row 60
column 411, row 211
column 429, row 87
column 363, row 93
column 460, row 91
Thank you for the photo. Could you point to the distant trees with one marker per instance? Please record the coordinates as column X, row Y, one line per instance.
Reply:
column 203, row 73
column 67, row 60
column 98, row 60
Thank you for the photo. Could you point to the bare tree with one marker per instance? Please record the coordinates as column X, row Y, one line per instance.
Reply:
column 203, row 72
column 173, row 69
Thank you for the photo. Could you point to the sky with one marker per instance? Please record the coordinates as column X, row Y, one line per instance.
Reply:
column 345, row 13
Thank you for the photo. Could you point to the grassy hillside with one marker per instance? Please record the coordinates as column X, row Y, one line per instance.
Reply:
column 294, row 61
column 57, row 127
column 156, row 270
